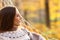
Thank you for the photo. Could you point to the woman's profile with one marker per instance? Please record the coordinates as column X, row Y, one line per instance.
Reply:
column 9, row 23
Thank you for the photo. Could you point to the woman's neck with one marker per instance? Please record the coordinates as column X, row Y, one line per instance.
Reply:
column 13, row 29
column 17, row 27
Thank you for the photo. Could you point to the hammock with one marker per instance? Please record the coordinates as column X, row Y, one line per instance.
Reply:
column 23, row 21
column 10, row 3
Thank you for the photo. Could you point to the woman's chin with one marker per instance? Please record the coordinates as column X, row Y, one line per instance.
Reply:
column 18, row 24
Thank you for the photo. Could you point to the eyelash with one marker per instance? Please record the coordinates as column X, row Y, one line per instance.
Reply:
column 17, row 15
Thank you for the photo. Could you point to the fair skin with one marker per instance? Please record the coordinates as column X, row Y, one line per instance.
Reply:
column 17, row 20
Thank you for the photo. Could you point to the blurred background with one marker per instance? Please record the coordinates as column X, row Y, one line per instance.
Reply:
column 43, row 15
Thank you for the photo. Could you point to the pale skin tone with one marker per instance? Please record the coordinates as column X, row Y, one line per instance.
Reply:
column 17, row 20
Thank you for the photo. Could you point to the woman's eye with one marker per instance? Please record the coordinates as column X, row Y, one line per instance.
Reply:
column 17, row 15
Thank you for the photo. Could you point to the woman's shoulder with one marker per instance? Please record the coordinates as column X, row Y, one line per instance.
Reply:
column 20, row 34
column 33, row 35
column 14, row 34
column 37, row 36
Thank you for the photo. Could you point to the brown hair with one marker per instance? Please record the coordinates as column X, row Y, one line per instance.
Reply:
column 7, row 15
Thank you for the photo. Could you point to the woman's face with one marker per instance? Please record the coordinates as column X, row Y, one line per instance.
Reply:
column 17, row 19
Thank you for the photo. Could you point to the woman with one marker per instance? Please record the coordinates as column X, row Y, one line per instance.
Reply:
column 9, row 24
